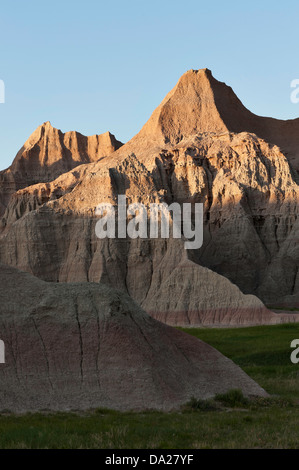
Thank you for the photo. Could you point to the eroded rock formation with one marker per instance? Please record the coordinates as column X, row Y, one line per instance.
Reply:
column 47, row 154
column 200, row 145
column 80, row 346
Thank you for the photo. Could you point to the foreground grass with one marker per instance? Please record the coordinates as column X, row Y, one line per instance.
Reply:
column 229, row 422
column 273, row 427
column 262, row 351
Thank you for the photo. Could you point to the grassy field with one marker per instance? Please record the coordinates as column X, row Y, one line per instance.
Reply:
column 228, row 422
column 262, row 351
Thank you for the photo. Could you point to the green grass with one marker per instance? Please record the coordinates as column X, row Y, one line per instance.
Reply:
column 233, row 398
column 228, row 421
column 262, row 351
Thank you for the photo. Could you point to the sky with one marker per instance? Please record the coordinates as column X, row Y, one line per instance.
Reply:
column 94, row 66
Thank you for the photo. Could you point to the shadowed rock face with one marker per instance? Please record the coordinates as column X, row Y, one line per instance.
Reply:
column 192, row 295
column 48, row 153
column 191, row 150
column 79, row 346
column 250, row 222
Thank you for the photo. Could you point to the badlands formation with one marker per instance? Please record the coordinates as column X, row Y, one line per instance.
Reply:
column 47, row 154
column 85, row 345
column 200, row 145
column 85, row 321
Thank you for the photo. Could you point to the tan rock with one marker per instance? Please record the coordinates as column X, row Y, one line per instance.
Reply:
column 186, row 152
column 47, row 154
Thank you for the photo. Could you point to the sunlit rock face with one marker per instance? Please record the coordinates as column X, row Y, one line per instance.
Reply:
column 48, row 153
column 199, row 145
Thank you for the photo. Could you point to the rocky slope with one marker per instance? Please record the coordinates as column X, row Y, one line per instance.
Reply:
column 199, row 103
column 81, row 346
column 190, row 150
column 47, row 154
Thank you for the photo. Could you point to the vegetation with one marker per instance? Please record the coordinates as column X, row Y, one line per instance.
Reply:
column 228, row 421
column 234, row 398
column 262, row 351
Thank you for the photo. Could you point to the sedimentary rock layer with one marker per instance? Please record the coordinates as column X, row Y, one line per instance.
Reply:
column 80, row 346
column 48, row 153
column 198, row 146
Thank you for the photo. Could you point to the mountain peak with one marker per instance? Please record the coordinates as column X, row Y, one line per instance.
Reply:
column 189, row 108
column 204, row 71
column 47, row 124
column 49, row 152
column 199, row 103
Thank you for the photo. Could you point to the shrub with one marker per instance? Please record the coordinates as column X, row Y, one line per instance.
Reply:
column 232, row 398
column 201, row 405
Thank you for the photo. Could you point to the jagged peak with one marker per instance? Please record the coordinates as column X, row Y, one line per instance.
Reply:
column 204, row 71
column 47, row 124
column 189, row 108
column 199, row 104
column 47, row 127
column 48, row 152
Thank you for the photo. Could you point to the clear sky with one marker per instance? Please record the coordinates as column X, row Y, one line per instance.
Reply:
column 94, row 66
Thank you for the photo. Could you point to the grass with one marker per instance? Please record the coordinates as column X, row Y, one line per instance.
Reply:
column 233, row 398
column 228, row 421
column 262, row 351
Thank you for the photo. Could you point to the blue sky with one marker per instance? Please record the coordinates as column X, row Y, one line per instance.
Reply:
column 94, row 66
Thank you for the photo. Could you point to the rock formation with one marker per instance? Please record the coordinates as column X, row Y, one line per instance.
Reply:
column 80, row 346
column 199, row 103
column 200, row 145
column 47, row 154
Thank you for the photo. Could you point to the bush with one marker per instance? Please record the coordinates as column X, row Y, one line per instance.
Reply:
column 232, row 398
column 201, row 405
